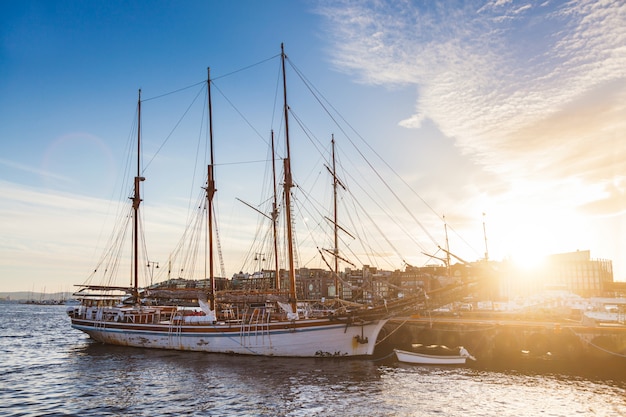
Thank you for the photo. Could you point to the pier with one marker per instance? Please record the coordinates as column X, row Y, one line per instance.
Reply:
column 505, row 337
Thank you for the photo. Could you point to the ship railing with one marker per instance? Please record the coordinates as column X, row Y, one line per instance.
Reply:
column 256, row 326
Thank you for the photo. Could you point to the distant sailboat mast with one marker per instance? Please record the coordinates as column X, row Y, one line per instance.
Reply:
column 485, row 234
column 445, row 227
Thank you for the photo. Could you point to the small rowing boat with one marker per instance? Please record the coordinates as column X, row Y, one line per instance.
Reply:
column 431, row 359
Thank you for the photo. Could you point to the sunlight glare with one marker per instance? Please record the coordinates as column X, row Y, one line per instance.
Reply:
column 528, row 257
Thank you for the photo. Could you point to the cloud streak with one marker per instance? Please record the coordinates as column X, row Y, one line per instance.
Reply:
column 536, row 91
column 28, row 169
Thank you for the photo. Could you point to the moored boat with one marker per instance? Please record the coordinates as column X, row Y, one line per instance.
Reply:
column 442, row 358
column 267, row 322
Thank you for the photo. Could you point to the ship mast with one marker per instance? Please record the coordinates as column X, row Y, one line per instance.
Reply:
column 287, row 185
column 485, row 234
column 275, row 220
column 445, row 228
column 136, row 202
column 336, row 248
column 210, row 192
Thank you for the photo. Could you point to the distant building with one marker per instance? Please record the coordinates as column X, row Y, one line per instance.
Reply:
column 483, row 280
column 574, row 272
column 358, row 284
column 316, row 284
column 617, row 289
column 578, row 273
column 415, row 279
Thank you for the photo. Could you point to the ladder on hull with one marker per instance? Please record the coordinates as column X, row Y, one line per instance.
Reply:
column 255, row 331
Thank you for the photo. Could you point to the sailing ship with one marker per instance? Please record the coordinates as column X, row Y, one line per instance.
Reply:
column 265, row 322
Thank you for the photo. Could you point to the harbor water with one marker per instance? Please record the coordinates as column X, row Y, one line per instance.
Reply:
column 49, row 369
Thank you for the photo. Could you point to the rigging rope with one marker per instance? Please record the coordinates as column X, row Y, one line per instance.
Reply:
column 315, row 93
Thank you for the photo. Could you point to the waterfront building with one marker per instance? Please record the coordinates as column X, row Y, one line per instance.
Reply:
column 579, row 274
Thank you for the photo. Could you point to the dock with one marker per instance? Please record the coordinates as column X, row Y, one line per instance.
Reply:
column 506, row 337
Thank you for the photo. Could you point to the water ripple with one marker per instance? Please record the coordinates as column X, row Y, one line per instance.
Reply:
column 48, row 369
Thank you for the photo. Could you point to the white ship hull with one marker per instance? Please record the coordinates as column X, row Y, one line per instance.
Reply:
column 300, row 338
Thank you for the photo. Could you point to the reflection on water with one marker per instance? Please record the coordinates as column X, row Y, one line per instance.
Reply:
column 47, row 368
column 230, row 384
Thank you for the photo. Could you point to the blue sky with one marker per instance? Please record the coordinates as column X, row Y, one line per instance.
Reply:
column 512, row 109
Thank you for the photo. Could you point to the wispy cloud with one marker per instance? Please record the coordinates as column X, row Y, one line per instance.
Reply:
column 32, row 170
column 537, row 91
column 68, row 233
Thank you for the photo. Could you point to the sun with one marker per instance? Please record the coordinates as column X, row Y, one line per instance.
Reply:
column 528, row 257
column 528, row 242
